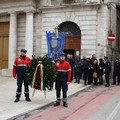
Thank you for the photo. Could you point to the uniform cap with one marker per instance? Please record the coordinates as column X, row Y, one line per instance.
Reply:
column 106, row 57
column 23, row 50
column 62, row 53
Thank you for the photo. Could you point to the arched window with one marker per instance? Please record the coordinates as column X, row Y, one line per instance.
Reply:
column 72, row 44
column 69, row 28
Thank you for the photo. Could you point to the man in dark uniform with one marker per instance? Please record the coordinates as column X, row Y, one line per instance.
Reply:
column 63, row 79
column 78, row 69
column 116, row 72
column 19, row 68
column 107, row 71
column 86, row 70
column 71, row 61
column 93, row 58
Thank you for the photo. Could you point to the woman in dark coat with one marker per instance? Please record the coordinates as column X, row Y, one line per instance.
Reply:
column 95, row 72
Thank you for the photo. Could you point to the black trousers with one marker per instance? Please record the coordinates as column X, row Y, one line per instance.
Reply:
column 20, row 80
column 77, row 77
column 101, row 79
column 116, row 75
column 107, row 78
column 61, row 85
column 90, row 77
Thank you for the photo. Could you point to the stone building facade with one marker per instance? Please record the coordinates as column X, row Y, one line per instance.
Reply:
column 23, row 24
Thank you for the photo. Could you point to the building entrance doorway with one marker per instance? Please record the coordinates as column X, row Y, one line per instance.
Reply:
column 72, row 44
column 69, row 51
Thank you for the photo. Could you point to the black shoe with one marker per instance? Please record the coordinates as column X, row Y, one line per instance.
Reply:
column 28, row 99
column 50, row 89
column 65, row 104
column 113, row 83
column 95, row 84
column 107, row 85
column 56, row 104
column 17, row 100
column 101, row 83
column 75, row 82
column 78, row 82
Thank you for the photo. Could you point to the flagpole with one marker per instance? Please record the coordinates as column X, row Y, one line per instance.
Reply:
column 33, row 92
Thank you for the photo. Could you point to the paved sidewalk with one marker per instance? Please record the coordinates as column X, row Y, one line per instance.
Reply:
column 9, row 109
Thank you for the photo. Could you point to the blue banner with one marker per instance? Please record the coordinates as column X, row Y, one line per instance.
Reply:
column 55, row 44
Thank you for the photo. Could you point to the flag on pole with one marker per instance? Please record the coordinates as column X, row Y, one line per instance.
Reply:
column 55, row 44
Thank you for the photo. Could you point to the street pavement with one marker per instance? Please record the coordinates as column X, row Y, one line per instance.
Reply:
column 97, row 103
column 10, row 110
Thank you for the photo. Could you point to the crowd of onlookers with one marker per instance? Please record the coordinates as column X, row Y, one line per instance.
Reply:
column 94, row 71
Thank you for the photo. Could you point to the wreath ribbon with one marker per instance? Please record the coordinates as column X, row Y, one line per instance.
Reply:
column 41, row 76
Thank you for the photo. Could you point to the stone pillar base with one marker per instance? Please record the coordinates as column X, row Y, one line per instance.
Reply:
column 6, row 72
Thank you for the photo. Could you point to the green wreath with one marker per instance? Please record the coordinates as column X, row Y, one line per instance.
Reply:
column 48, row 70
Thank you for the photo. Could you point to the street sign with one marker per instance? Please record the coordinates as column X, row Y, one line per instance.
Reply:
column 111, row 37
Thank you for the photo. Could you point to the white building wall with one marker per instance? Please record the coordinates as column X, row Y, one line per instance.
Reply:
column 37, row 34
column 107, row 20
column 84, row 17
column 15, row 5
column 4, row 18
column 21, row 23
column 102, row 31
column 93, row 21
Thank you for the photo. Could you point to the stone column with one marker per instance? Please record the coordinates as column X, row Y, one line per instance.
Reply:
column 12, row 39
column 29, row 34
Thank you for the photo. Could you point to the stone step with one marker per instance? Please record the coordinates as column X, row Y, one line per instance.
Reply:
column 6, row 72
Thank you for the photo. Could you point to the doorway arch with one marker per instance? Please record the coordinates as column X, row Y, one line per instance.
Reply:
column 72, row 32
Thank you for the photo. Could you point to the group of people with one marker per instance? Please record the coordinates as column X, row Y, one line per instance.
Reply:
column 89, row 69
column 63, row 70
column 93, row 71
